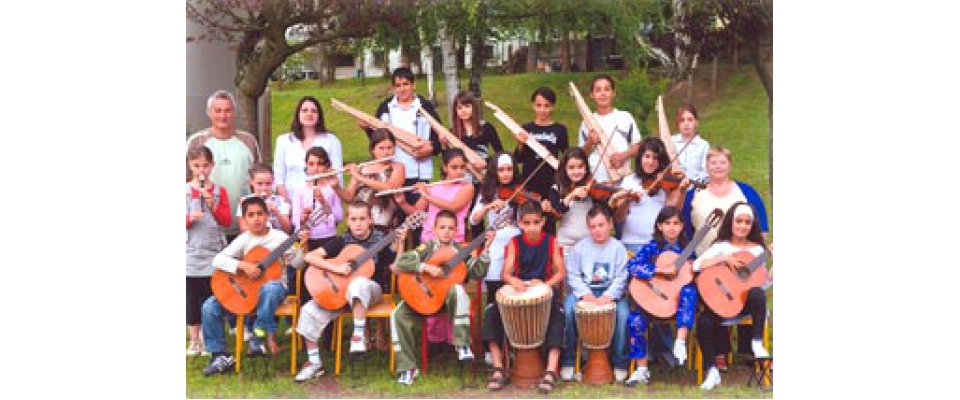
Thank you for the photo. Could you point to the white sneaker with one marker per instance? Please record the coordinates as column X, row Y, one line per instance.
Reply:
column 619, row 375
column 641, row 375
column 680, row 351
column 309, row 371
column 758, row 350
column 488, row 358
column 358, row 344
column 464, row 353
column 195, row 348
column 712, row 380
column 566, row 374
column 407, row 377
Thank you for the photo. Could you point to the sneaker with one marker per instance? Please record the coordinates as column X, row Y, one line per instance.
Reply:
column 464, row 353
column 758, row 350
column 566, row 374
column 195, row 348
column 488, row 358
column 680, row 351
column 258, row 347
column 619, row 375
column 640, row 376
column 357, row 344
column 712, row 380
column 219, row 364
column 309, row 371
column 721, row 362
column 407, row 377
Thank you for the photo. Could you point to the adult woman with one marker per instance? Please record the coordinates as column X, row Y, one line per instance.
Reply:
column 307, row 130
column 721, row 192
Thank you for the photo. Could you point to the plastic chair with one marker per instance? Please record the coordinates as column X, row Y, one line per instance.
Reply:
column 475, row 324
column 289, row 308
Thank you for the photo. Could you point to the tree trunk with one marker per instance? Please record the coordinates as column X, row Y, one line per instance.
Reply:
column 713, row 77
column 532, row 55
column 565, row 51
column 477, row 60
column 449, row 59
column 766, row 80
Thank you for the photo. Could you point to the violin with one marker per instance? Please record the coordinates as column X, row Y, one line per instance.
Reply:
column 518, row 196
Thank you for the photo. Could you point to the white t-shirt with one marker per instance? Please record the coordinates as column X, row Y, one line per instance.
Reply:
column 621, row 128
column 638, row 227
column 411, row 121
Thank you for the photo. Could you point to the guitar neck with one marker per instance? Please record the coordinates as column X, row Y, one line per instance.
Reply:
column 369, row 253
column 464, row 253
column 278, row 252
column 756, row 262
column 687, row 251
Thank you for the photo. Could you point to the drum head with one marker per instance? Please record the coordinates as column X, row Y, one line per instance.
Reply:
column 537, row 291
column 590, row 307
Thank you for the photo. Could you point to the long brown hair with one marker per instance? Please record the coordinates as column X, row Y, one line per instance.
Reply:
column 564, row 185
column 466, row 97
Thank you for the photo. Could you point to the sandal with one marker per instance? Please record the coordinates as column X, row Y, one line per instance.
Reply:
column 495, row 384
column 546, row 385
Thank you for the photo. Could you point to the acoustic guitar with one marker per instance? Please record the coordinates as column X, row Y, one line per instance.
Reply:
column 238, row 292
column 426, row 294
column 328, row 288
column 658, row 295
column 724, row 289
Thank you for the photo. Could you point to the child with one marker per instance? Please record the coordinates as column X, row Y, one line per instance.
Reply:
column 361, row 293
column 597, row 273
column 208, row 209
column 323, row 192
column 381, row 176
column 532, row 258
column 469, row 127
column 271, row 295
column 404, row 319
column 489, row 205
column 453, row 197
column 571, row 198
column 551, row 135
column 739, row 231
column 261, row 184
column 693, row 160
column 637, row 216
column 667, row 236
column 618, row 126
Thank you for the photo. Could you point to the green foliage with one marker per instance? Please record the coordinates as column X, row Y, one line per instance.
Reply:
column 638, row 95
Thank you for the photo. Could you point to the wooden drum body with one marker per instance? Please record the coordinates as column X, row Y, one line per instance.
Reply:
column 525, row 317
column 595, row 324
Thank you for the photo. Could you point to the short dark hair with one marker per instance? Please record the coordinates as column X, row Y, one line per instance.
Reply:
column 597, row 78
column 402, row 72
column 445, row 214
column 546, row 93
column 360, row 204
column 260, row 168
column 253, row 201
column 530, row 207
column 598, row 209
column 380, row 135
column 320, row 153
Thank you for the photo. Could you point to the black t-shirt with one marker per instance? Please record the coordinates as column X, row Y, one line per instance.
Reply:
column 381, row 260
column 487, row 137
column 554, row 138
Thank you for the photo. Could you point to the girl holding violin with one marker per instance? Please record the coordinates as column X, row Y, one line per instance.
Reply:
column 497, row 188
column 643, row 194
column 365, row 182
column 572, row 197
column 739, row 232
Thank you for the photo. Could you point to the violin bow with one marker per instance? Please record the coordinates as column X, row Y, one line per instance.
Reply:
column 519, row 189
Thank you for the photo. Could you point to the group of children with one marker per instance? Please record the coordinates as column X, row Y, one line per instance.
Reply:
column 583, row 242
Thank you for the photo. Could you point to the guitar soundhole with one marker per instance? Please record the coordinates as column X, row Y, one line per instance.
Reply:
column 743, row 273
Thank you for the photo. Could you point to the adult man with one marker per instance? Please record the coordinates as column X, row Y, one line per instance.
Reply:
column 234, row 151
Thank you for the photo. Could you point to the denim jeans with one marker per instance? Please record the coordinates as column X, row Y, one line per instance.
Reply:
column 618, row 348
column 212, row 314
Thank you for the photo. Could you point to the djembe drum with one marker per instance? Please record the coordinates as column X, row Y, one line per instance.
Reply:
column 525, row 317
column 595, row 324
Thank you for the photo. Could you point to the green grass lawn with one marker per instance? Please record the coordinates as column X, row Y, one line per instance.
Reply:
column 734, row 116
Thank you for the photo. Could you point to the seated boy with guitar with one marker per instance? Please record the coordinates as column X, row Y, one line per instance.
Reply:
column 355, row 264
column 431, row 273
column 248, row 279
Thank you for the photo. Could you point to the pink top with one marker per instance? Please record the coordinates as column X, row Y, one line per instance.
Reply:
column 446, row 192
column 326, row 229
